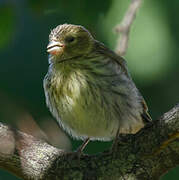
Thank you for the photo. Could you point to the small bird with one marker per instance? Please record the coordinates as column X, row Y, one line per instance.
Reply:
column 88, row 88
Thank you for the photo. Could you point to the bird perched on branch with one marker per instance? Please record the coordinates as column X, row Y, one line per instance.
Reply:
column 88, row 87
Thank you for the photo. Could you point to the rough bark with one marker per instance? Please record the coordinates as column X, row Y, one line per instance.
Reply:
column 146, row 155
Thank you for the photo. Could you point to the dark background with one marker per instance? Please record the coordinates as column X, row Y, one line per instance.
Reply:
column 152, row 57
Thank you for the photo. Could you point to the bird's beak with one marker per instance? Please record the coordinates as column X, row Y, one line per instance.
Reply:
column 55, row 47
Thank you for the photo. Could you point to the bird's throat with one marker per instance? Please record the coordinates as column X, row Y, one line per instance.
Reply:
column 64, row 60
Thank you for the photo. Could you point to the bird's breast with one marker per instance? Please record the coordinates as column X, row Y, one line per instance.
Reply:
column 78, row 105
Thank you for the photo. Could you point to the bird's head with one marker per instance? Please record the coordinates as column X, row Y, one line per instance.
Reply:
column 67, row 41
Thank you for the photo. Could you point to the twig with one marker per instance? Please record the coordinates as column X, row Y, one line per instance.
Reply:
column 124, row 27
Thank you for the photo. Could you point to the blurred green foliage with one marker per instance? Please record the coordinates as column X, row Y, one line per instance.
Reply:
column 7, row 26
column 152, row 57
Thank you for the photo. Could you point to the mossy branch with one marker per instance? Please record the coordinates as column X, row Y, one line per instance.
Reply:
column 146, row 155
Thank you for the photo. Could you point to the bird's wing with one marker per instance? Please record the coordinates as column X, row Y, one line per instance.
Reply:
column 101, row 48
column 145, row 115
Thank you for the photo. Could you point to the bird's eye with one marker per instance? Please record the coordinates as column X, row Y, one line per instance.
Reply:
column 69, row 39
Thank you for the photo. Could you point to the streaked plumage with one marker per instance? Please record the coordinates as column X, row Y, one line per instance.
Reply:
column 88, row 88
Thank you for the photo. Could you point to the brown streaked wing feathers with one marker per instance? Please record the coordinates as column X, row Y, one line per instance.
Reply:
column 146, row 117
column 101, row 48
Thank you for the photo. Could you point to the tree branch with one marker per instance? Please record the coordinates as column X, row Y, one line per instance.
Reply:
column 145, row 155
column 124, row 27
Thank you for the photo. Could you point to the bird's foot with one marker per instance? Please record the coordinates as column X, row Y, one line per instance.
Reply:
column 80, row 149
column 119, row 140
column 115, row 144
column 114, row 148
